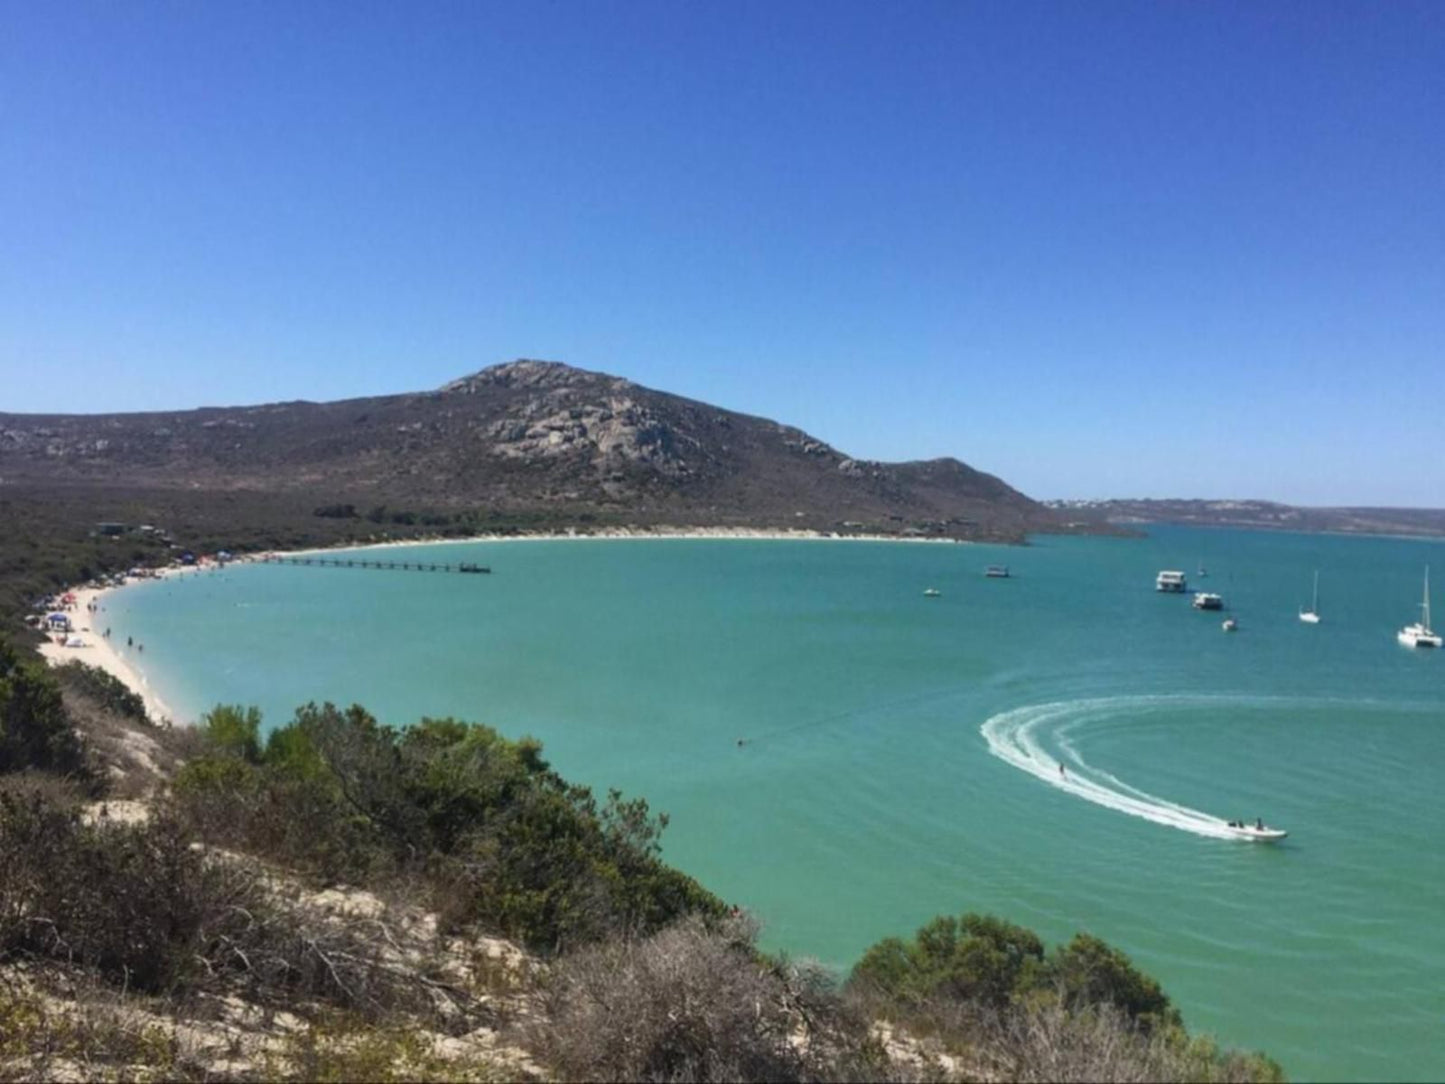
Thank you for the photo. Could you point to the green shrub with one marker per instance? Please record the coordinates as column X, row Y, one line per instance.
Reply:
column 234, row 730
column 985, row 987
column 975, row 958
column 105, row 689
column 1087, row 971
column 498, row 837
column 34, row 730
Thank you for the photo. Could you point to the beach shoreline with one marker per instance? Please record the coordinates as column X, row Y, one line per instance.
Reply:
column 124, row 663
column 104, row 653
column 754, row 534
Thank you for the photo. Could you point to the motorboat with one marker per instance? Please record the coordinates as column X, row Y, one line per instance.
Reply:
column 997, row 572
column 1230, row 624
column 1420, row 634
column 931, row 592
column 1205, row 600
column 1259, row 832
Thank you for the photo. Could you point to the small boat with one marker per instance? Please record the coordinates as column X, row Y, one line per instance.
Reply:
column 996, row 572
column 1420, row 634
column 1259, row 832
column 1205, row 600
column 1230, row 624
column 1312, row 615
column 931, row 592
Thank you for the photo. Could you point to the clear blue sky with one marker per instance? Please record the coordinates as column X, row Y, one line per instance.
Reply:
column 1100, row 249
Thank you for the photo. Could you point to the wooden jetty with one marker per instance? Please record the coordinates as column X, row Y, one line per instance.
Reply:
column 393, row 566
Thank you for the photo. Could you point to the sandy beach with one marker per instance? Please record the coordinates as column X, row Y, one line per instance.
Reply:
column 694, row 533
column 125, row 663
column 114, row 658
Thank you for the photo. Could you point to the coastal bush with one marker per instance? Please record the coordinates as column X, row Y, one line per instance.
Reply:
column 697, row 1002
column 988, row 989
column 233, row 729
column 975, row 958
column 105, row 689
column 1053, row 1042
column 146, row 911
column 35, row 732
column 991, row 963
column 42, row 1038
column 484, row 823
column 1087, row 971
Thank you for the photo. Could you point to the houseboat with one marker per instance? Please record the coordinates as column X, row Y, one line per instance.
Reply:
column 1204, row 600
column 1170, row 581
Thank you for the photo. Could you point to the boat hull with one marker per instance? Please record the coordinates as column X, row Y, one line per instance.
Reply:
column 1415, row 639
column 1258, row 835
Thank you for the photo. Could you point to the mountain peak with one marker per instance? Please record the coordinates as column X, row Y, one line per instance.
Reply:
column 529, row 373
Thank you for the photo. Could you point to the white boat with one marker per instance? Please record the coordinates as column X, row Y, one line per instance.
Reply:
column 1259, row 832
column 1170, row 581
column 1312, row 615
column 1205, row 600
column 1420, row 634
column 1230, row 624
column 931, row 592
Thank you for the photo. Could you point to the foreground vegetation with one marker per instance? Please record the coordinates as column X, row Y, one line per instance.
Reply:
column 323, row 902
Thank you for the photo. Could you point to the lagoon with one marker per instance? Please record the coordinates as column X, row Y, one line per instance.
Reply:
column 886, row 739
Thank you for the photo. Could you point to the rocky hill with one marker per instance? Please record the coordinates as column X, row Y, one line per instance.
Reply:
column 526, row 436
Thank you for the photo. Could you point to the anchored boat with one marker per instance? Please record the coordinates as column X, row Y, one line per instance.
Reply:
column 1420, row 634
column 1312, row 615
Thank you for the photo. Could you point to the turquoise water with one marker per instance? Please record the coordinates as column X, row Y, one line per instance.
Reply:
column 901, row 753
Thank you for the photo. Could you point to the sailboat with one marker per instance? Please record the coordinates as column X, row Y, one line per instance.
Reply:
column 1421, row 634
column 1312, row 615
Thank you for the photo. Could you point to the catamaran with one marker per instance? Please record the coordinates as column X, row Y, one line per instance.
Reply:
column 1312, row 615
column 1420, row 634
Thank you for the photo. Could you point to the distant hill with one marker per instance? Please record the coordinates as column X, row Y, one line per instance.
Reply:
column 1259, row 514
column 527, row 437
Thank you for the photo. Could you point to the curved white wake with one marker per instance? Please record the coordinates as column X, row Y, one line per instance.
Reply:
column 1014, row 736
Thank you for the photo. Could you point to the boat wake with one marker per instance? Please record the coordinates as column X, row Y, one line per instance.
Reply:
column 1018, row 737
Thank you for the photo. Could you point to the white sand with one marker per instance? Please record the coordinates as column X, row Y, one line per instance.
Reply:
column 758, row 534
column 114, row 658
